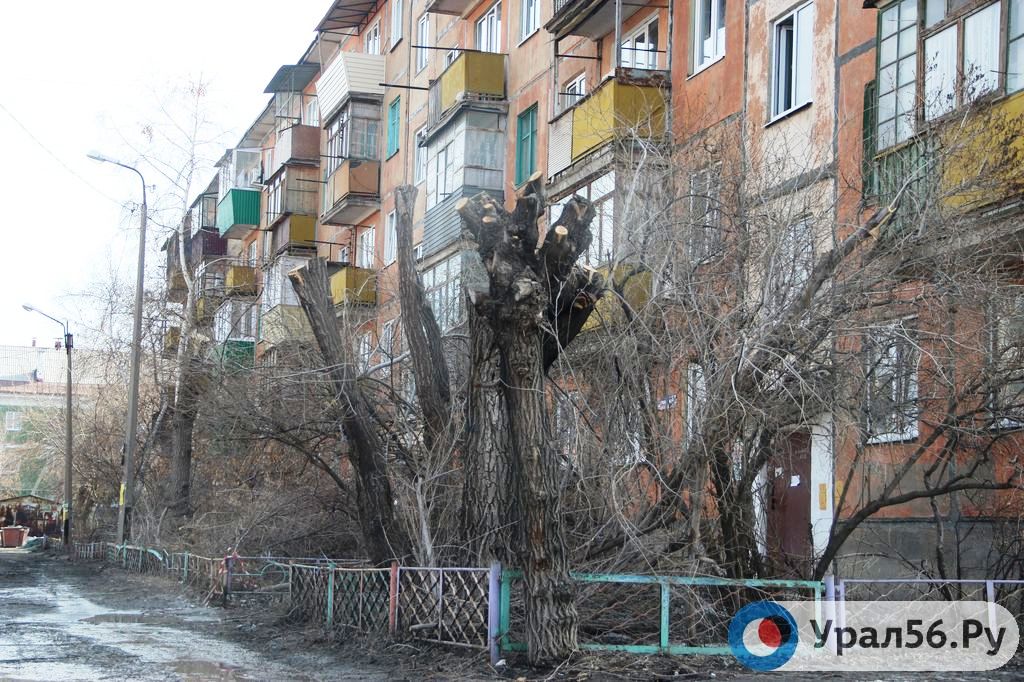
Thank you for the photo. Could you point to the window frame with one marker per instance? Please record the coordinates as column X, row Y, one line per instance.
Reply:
column 718, row 35
column 394, row 126
column 523, row 171
column 895, row 333
column 530, row 10
column 366, row 247
column 422, row 38
column 801, row 92
column 1003, row 416
column 419, row 166
column 390, row 238
column 710, row 192
column 926, row 30
column 397, row 14
column 490, row 19
column 577, row 82
column 372, row 39
column 652, row 54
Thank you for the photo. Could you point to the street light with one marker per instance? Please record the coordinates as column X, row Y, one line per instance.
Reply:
column 69, row 343
column 131, row 427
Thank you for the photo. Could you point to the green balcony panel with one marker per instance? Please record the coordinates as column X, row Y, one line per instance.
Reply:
column 238, row 212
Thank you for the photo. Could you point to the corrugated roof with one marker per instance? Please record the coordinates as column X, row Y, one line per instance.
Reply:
column 22, row 367
column 292, row 78
column 346, row 15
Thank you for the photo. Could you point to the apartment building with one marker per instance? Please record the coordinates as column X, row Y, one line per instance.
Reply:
column 805, row 109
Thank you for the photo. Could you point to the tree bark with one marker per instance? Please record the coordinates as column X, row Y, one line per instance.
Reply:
column 536, row 301
column 382, row 536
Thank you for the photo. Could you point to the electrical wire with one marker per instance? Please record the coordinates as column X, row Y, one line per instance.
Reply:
column 57, row 158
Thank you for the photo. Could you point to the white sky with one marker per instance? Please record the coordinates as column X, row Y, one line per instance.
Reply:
column 82, row 76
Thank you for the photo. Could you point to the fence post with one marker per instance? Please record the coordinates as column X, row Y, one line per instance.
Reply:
column 494, row 611
column 393, row 600
column 990, row 597
column 184, row 578
column 666, row 597
column 330, row 595
column 829, row 609
column 227, row 578
column 504, row 623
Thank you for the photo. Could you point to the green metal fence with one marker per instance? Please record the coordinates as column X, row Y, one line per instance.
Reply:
column 651, row 614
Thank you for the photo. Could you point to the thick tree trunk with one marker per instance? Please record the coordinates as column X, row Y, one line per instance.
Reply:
column 382, row 537
column 182, row 424
column 535, row 301
column 489, row 495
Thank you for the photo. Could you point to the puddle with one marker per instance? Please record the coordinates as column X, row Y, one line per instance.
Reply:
column 208, row 670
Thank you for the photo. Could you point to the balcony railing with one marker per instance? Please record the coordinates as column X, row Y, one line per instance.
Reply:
column 354, row 285
column 351, row 192
column 238, row 212
column 633, row 103
column 472, row 77
column 240, row 280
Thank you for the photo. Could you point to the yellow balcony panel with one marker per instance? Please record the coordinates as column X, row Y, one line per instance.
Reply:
column 206, row 306
column 984, row 157
column 473, row 75
column 284, row 323
column 240, row 280
column 354, row 285
column 620, row 105
column 636, row 292
column 172, row 335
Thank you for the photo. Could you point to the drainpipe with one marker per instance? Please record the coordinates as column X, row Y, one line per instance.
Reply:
column 618, row 36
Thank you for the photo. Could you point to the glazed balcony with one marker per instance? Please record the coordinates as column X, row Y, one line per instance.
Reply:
column 238, row 212
column 472, row 77
column 354, row 285
column 632, row 103
column 351, row 192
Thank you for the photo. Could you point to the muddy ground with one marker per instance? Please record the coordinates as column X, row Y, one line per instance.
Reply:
column 64, row 621
column 71, row 621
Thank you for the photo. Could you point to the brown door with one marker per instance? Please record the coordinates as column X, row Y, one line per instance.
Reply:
column 789, row 505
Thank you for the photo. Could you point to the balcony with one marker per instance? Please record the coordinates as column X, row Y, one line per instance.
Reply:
column 351, row 192
column 587, row 18
column 299, row 144
column 170, row 342
column 636, row 292
column 240, row 280
column 350, row 73
column 451, row 7
column 206, row 244
column 633, row 102
column 354, row 285
column 236, row 354
column 238, row 212
column 284, row 323
column 472, row 77
column 295, row 234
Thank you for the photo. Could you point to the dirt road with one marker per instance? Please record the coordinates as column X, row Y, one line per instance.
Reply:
column 60, row 621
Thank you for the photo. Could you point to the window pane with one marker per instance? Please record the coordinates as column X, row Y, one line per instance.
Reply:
column 890, row 21
column 887, row 77
column 908, row 71
column 887, row 106
column 1015, row 68
column 934, row 12
column 940, row 73
column 887, row 51
column 908, row 41
column 981, row 52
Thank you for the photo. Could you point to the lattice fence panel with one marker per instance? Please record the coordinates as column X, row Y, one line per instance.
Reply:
column 309, row 593
column 362, row 599
column 444, row 605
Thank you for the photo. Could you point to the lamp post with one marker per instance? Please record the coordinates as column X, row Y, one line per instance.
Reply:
column 69, row 343
column 131, row 427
